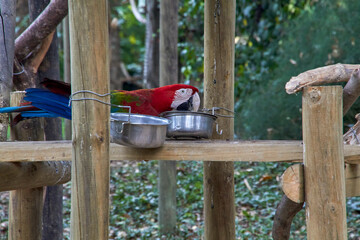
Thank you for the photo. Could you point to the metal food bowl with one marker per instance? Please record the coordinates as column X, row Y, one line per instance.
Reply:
column 185, row 124
column 136, row 130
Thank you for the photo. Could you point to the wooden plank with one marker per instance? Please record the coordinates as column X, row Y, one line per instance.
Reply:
column 219, row 197
column 292, row 182
column 90, row 120
column 206, row 150
column 352, row 180
column 324, row 163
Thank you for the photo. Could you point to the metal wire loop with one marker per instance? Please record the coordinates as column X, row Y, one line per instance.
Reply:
column 95, row 99
column 21, row 72
column 213, row 109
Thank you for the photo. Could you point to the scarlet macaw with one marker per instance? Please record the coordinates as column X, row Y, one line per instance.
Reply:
column 54, row 100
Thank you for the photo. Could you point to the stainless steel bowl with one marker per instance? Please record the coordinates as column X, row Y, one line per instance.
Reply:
column 136, row 130
column 185, row 124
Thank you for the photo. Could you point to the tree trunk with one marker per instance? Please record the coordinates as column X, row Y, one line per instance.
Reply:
column 151, row 61
column 67, row 66
column 168, row 75
column 49, row 68
column 219, row 201
column 116, row 73
column 7, row 35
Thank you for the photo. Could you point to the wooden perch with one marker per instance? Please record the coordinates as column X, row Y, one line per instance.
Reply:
column 319, row 76
column 351, row 90
column 32, row 175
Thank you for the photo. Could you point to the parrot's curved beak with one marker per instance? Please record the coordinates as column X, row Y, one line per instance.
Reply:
column 192, row 104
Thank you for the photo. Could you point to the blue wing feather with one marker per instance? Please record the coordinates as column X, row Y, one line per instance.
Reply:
column 56, row 105
column 32, row 114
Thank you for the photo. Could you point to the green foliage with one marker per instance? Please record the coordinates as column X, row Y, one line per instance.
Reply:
column 259, row 24
column 260, row 98
column 134, row 194
column 191, row 38
column 131, row 37
column 322, row 34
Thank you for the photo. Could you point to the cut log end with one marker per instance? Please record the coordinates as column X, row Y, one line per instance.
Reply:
column 292, row 183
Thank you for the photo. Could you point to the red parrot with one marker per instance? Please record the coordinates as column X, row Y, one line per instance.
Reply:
column 53, row 101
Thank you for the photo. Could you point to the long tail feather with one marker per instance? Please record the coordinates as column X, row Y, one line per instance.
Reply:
column 17, row 109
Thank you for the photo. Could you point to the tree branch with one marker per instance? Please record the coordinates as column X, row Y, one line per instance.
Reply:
column 319, row 76
column 39, row 56
column 284, row 215
column 40, row 28
column 351, row 90
column 136, row 12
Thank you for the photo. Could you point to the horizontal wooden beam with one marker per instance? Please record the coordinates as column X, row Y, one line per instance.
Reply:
column 206, row 150
column 20, row 175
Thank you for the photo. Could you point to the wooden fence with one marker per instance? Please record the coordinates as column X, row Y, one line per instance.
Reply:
column 322, row 152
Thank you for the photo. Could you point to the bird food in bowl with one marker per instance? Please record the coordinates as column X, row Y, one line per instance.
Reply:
column 137, row 130
column 186, row 124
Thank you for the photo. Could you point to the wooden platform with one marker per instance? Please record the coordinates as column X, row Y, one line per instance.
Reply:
column 252, row 151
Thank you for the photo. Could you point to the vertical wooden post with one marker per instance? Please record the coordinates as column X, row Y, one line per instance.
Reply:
column 219, row 205
column 7, row 34
column 25, row 213
column 67, row 67
column 324, row 163
column 168, row 75
column 90, row 120
column 26, row 205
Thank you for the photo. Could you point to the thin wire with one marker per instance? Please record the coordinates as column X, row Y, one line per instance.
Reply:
column 18, row 73
column 220, row 115
column 95, row 99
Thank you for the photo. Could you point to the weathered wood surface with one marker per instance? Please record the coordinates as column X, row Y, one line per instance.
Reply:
column 324, row 163
column 20, row 175
column 168, row 75
column 292, row 182
column 7, row 34
column 219, row 35
column 319, row 76
column 206, row 150
column 26, row 205
column 25, row 214
column 90, row 120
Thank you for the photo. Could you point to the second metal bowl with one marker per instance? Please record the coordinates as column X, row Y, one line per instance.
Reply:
column 185, row 124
